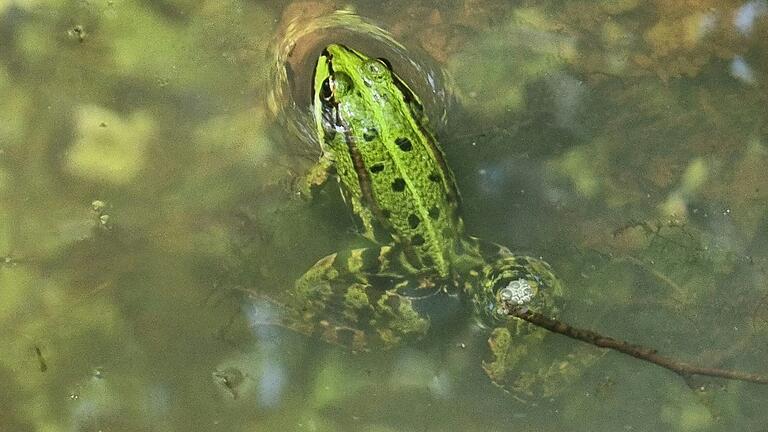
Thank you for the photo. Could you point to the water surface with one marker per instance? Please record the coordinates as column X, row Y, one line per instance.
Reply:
column 145, row 196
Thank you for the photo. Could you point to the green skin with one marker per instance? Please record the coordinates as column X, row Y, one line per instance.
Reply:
column 393, row 175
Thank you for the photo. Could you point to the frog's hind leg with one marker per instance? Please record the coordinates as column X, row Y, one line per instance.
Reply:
column 354, row 299
column 515, row 347
column 529, row 279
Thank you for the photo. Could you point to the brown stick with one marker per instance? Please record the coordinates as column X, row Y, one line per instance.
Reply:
column 685, row 370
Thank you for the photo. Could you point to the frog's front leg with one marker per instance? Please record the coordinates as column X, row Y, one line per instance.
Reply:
column 317, row 176
column 356, row 299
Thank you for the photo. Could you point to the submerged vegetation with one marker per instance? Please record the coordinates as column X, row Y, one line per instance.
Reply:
column 145, row 186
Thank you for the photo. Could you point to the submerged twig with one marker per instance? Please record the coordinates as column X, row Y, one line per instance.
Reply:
column 683, row 369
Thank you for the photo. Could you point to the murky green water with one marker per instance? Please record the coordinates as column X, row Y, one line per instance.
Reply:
column 145, row 202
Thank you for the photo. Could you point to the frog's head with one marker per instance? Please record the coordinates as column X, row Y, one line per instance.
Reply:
column 516, row 280
column 346, row 77
column 341, row 71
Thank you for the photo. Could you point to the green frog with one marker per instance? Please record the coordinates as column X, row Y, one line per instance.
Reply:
column 422, row 270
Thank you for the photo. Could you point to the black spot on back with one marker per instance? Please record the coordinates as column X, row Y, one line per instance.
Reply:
column 417, row 240
column 434, row 212
column 404, row 144
column 386, row 213
column 413, row 221
column 370, row 134
column 377, row 167
column 398, row 185
column 434, row 177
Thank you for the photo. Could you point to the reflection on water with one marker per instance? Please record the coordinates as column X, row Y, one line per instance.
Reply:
column 145, row 202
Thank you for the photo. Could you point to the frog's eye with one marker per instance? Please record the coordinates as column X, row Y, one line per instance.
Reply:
column 342, row 83
column 375, row 68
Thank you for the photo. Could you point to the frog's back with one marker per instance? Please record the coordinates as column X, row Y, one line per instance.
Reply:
column 388, row 159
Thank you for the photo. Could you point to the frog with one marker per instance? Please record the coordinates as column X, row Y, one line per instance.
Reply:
column 422, row 270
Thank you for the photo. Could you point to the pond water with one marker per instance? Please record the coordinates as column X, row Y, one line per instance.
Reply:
column 149, row 153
